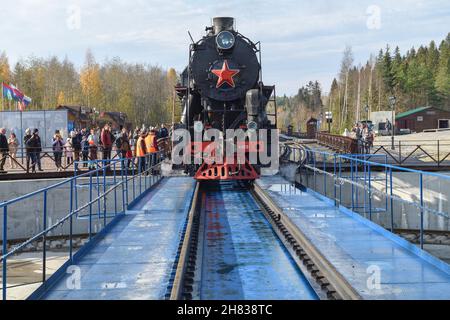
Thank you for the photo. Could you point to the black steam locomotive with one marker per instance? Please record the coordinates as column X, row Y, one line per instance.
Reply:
column 222, row 89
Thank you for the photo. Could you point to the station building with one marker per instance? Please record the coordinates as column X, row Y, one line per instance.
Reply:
column 423, row 118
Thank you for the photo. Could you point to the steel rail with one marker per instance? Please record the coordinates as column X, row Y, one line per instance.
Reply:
column 178, row 282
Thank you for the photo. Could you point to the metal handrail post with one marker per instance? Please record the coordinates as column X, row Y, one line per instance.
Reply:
column 44, row 240
column 392, row 199
column 123, row 189
column 140, row 179
column 146, row 177
column 324, row 176
column 365, row 186
column 335, row 180
column 126, row 185
column 421, row 211
column 438, row 154
column 370, row 192
column 315, row 167
column 104, row 192
column 71, row 221
column 340, row 183
column 76, row 186
column 353, row 186
column 90, row 206
column 115, row 190
column 98, row 189
column 386, row 188
column 5, row 249
column 133, row 173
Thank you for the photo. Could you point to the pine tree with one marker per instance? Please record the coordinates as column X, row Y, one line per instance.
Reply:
column 442, row 82
column 387, row 72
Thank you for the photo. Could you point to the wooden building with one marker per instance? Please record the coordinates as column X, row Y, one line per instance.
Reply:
column 311, row 128
column 78, row 116
column 86, row 117
column 423, row 118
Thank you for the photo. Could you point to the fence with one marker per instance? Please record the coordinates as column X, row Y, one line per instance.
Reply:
column 23, row 162
column 410, row 151
column 338, row 143
column 394, row 197
column 46, row 121
column 107, row 200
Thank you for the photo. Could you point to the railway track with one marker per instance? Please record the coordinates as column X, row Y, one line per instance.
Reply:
column 239, row 245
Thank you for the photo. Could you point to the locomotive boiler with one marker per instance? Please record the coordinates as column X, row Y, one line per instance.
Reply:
column 222, row 89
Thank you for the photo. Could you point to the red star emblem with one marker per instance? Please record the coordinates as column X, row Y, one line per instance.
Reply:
column 225, row 75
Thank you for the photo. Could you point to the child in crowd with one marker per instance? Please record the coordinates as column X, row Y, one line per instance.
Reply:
column 68, row 150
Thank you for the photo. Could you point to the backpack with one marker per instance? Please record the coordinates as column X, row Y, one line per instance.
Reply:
column 118, row 142
column 113, row 138
column 30, row 143
column 84, row 145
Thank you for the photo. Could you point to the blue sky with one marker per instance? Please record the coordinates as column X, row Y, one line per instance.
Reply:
column 302, row 40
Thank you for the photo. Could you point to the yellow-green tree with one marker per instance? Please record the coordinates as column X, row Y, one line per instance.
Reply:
column 90, row 81
column 5, row 73
column 61, row 98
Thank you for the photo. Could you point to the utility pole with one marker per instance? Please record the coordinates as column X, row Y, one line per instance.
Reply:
column 358, row 102
column 329, row 119
column 370, row 89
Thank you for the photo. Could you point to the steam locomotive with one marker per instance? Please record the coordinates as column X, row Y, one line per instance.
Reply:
column 222, row 88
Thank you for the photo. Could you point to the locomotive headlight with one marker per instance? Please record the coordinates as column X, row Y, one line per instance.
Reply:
column 225, row 40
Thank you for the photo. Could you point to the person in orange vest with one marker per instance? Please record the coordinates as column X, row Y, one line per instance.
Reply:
column 141, row 150
column 151, row 143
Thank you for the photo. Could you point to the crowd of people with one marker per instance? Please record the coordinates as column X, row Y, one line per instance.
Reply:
column 83, row 146
column 365, row 136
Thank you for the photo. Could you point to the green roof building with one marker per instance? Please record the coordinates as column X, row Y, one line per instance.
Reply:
column 423, row 118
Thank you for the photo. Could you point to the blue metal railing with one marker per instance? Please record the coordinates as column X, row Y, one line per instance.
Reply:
column 107, row 177
column 363, row 172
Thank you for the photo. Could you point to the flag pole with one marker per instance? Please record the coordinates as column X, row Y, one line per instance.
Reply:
column 3, row 101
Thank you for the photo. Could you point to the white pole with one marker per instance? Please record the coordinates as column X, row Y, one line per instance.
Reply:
column 3, row 99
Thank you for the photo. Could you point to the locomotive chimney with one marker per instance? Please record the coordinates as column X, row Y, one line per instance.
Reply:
column 223, row 23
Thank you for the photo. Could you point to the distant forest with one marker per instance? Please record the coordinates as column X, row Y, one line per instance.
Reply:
column 417, row 78
column 142, row 91
column 421, row 77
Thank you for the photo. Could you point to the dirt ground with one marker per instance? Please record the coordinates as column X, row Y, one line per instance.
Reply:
column 24, row 272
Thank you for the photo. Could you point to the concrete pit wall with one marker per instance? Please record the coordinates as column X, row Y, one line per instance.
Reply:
column 436, row 196
column 25, row 219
